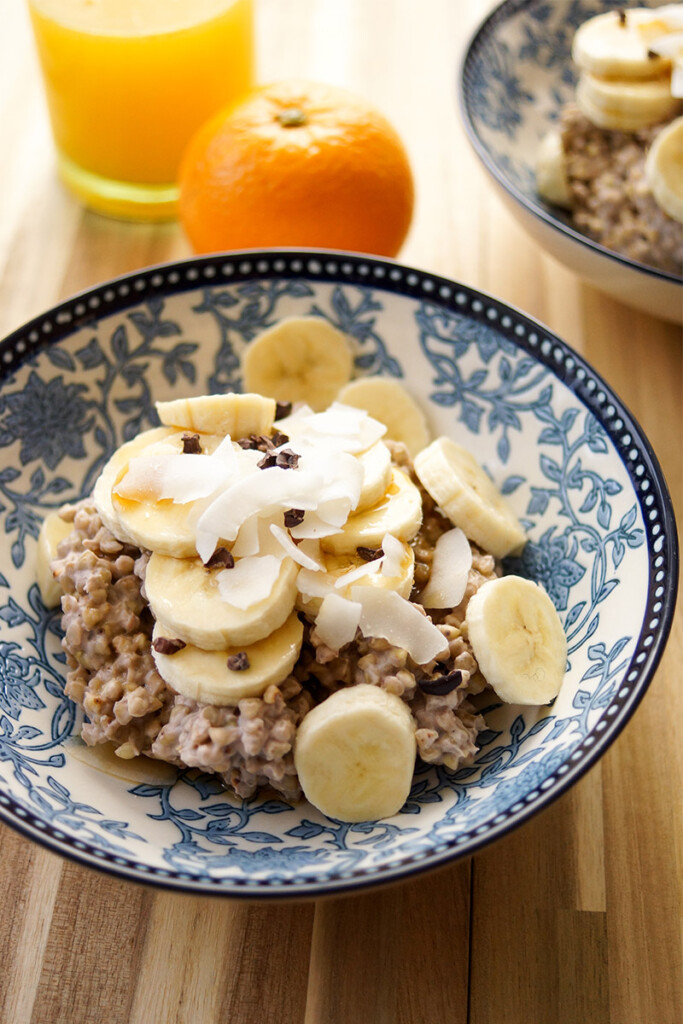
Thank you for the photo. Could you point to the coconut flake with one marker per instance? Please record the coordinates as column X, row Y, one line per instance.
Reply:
column 394, row 555
column 314, row 584
column 144, row 477
column 341, row 473
column 388, row 615
column 337, row 621
column 250, row 580
column 341, row 428
column 187, row 478
column 451, row 564
column 292, row 424
column 259, row 494
column 313, row 527
column 289, row 547
column 366, row 569
column 248, row 539
column 334, row 511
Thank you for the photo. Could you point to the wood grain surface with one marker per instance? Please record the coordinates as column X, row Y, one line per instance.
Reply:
column 573, row 919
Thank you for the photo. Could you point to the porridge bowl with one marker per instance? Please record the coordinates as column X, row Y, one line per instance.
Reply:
column 516, row 76
column 571, row 462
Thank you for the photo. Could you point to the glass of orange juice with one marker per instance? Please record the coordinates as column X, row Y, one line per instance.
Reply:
column 128, row 82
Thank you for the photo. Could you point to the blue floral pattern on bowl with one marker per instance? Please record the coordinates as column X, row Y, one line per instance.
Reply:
column 78, row 381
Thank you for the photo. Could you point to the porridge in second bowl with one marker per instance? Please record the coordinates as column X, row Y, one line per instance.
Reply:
column 616, row 159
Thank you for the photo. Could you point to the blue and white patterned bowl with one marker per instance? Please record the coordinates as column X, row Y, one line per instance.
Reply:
column 77, row 381
column 516, row 75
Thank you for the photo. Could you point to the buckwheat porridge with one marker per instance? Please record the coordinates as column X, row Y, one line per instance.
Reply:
column 296, row 598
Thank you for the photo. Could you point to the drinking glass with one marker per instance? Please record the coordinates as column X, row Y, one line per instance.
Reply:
column 128, row 82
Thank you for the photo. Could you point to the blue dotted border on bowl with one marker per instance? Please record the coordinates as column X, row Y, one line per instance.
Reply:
column 633, row 447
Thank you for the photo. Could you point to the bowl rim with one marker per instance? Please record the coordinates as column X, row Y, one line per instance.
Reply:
column 86, row 306
column 500, row 14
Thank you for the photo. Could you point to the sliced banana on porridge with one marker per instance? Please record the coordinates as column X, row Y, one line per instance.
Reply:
column 618, row 44
column 625, row 105
column 301, row 359
column 664, row 169
column 149, row 510
column 234, row 414
column 390, row 567
column 355, row 754
column 518, row 640
column 389, row 402
column 53, row 531
column 468, row 496
column 229, row 675
column 376, row 465
column 551, row 170
column 117, row 464
column 399, row 512
column 221, row 605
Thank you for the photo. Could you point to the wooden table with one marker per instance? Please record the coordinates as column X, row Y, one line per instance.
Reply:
column 574, row 919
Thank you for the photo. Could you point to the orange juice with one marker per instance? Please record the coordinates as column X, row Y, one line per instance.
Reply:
column 129, row 81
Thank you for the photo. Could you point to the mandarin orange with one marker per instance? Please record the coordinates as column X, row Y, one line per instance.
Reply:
column 297, row 164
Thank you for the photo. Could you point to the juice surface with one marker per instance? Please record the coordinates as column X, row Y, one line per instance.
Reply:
column 129, row 81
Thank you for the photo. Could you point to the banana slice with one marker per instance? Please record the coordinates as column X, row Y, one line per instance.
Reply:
column 376, row 465
column 624, row 105
column 355, row 754
column 206, row 676
column 112, row 471
column 160, row 524
column 52, row 532
column 664, row 169
column 302, row 359
column 616, row 44
column 518, row 640
column 185, row 597
column 399, row 513
column 389, row 402
column 464, row 492
column 233, row 414
column 551, row 171
column 671, row 46
column 313, row 587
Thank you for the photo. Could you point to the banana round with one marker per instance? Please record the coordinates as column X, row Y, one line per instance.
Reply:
column 53, row 531
column 664, row 169
column 612, row 45
column 165, row 526
column 399, row 512
column 518, row 640
column 205, row 676
column 551, row 171
column 624, row 105
column 184, row 597
column 390, row 403
column 102, row 495
column 234, row 414
column 469, row 498
column 375, row 462
column 301, row 359
column 355, row 754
